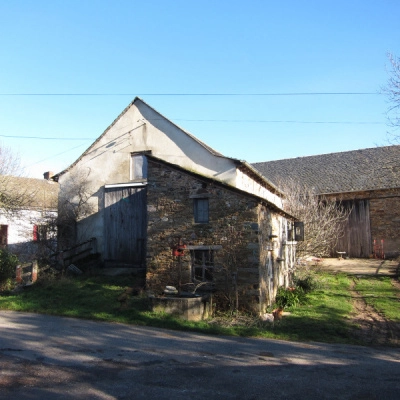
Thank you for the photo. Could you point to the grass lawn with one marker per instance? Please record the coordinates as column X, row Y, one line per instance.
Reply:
column 322, row 316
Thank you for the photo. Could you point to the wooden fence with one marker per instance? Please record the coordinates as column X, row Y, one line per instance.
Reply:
column 27, row 273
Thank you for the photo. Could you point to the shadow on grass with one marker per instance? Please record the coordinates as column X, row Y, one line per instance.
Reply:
column 322, row 318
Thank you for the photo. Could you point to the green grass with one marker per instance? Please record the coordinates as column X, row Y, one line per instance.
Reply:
column 323, row 316
column 380, row 293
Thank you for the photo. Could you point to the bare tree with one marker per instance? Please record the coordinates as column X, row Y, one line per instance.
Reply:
column 232, row 255
column 13, row 197
column 74, row 205
column 392, row 91
column 323, row 218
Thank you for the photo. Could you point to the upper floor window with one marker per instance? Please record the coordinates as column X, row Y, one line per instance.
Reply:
column 201, row 210
column 138, row 166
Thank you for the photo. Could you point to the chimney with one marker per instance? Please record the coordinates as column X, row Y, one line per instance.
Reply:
column 48, row 175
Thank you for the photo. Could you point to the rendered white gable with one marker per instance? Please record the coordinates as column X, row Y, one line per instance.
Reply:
column 140, row 128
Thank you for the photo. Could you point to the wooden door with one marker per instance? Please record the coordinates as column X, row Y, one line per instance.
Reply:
column 356, row 241
column 125, row 222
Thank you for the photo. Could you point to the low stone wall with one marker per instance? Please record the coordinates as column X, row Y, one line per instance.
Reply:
column 189, row 308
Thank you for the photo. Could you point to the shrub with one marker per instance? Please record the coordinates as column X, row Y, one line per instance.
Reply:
column 307, row 282
column 8, row 263
column 290, row 297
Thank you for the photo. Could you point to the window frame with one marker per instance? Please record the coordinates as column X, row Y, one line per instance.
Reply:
column 138, row 167
column 201, row 213
column 206, row 263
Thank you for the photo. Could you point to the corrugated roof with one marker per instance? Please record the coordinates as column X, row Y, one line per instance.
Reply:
column 350, row 171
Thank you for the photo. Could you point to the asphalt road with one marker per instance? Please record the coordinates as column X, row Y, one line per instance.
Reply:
column 45, row 357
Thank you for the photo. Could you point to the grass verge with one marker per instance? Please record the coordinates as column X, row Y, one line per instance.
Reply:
column 323, row 316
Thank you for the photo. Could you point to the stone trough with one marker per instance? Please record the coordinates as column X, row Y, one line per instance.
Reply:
column 191, row 307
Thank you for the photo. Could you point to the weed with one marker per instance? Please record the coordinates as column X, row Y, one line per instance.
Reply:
column 289, row 297
column 307, row 282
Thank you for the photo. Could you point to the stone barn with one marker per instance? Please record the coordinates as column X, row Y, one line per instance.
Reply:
column 158, row 200
column 367, row 181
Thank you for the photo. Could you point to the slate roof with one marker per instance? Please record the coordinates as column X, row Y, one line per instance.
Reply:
column 350, row 171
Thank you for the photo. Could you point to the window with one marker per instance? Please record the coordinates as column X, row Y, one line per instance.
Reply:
column 39, row 233
column 200, row 210
column 202, row 265
column 138, row 166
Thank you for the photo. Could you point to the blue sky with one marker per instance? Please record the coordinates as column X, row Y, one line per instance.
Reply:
column 144, row 48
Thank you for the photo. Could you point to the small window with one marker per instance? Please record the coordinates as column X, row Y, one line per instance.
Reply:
column 138, row 166
column 39, row 233
column 299, row 231
column 201, row 210
column 202, row 265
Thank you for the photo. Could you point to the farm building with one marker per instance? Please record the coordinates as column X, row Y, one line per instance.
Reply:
column 157, row 199
column 25, row 229
column 367, row 181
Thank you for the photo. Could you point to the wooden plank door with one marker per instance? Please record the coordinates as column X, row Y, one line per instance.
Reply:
column 356, row 241
column 125, row 221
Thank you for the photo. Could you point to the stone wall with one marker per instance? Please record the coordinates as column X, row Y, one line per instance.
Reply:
column 385, row 224
column 233, row 233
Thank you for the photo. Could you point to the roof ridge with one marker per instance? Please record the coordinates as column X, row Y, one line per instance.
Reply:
column 208, row 148
column 327, row 154
column 349, row 171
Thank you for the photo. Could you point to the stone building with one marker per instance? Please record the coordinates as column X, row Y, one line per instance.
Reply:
column 366, row 180
column 158, row 199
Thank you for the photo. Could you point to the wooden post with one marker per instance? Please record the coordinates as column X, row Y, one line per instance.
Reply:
column 18, row 274
column 34, row 272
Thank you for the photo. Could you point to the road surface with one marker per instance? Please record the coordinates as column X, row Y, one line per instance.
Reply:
column 47, row 357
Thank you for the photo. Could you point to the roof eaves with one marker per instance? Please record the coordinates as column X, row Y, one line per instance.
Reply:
column 357, row 191
column 56, row 176
column 223, row 184
column 255, row 172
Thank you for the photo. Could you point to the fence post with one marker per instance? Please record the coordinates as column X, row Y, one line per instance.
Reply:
column 34, row 272
column 18, row 274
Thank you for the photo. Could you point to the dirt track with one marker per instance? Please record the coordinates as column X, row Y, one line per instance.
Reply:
column 374, row 328
column 357, row 266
